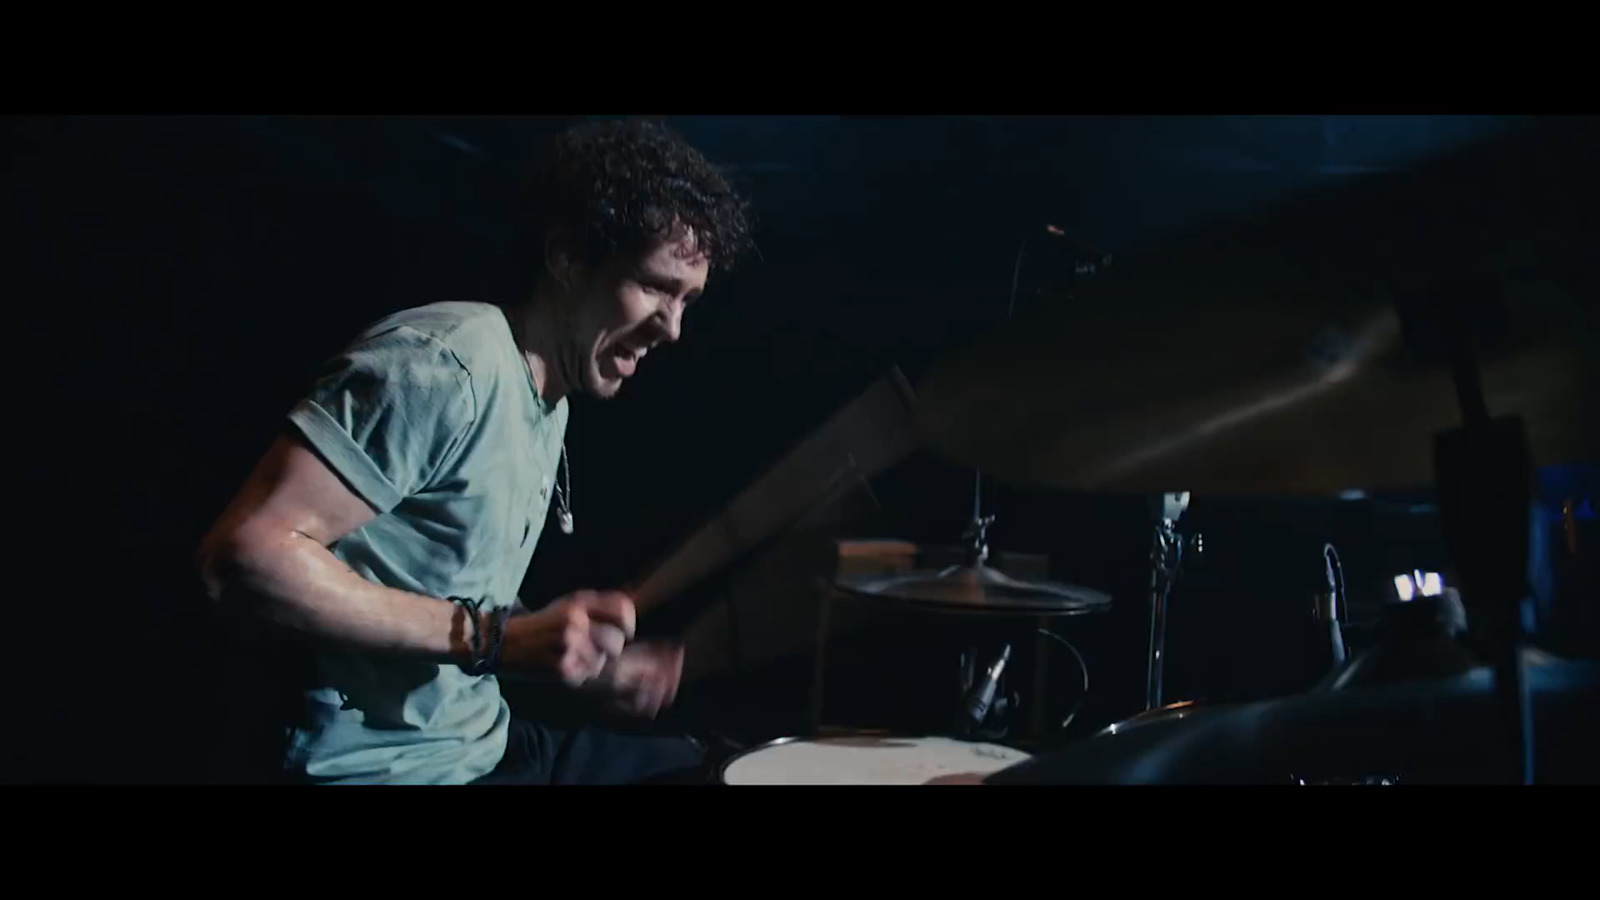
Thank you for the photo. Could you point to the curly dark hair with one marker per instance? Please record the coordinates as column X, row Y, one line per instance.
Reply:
column 619, row 185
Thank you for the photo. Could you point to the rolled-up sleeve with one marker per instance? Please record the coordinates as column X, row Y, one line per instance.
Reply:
column 388, row 414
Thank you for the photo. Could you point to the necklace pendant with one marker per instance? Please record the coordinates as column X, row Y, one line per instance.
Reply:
column 564, row 520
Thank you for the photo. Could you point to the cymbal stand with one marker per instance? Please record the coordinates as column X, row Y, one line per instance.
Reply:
column 1086, row 262
column 977, row 534
column 1484, row 472
column 1166, row 563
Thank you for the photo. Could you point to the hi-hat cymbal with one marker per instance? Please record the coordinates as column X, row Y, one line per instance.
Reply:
column 977, row 589
column 1270, row 355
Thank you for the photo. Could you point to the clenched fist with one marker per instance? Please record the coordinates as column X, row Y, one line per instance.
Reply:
column 575, row 638
column 643, row 679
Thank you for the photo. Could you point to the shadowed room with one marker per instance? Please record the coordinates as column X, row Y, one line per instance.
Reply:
column 1009, row 431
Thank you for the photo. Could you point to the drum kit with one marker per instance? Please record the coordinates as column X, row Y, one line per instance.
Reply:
column 1429, row 327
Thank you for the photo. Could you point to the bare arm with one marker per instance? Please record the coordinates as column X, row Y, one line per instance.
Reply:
column 268, row 554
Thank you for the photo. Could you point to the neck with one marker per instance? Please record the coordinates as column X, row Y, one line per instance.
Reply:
column 536, row 327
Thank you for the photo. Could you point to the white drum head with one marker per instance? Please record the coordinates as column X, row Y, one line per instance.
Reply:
column 867, row 760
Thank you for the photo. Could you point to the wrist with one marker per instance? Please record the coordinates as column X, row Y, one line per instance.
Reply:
column 466, row 629
column 493, row 630
column 476, row 636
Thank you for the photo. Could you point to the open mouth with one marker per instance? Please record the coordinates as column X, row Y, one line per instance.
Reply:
column 625, row 359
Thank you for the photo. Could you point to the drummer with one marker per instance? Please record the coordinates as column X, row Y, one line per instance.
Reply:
column 389, row 527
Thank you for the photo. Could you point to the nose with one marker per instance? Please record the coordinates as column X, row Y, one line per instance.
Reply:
column 669, row 322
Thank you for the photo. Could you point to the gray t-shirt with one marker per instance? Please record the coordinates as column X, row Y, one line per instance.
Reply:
column 432, row 418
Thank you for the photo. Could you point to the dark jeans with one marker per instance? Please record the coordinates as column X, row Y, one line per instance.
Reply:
column 544, row 754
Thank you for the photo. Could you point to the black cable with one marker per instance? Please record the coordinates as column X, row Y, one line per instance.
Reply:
column 1082, row 667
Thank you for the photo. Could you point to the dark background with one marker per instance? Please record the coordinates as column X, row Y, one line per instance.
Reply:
column 176, row 282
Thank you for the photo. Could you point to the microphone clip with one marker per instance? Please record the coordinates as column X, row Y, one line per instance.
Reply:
column 980, row 697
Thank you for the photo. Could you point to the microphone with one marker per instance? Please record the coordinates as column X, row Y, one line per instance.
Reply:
column 975, row 705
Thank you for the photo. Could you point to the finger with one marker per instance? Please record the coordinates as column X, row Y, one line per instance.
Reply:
column 608, row 639
column 594, row 662
column 613, row 607
column 673, row 674
column 631, row 705
column 579, row 663
column 669, row 693
column 576, row 648
column 669, row 689
column 649, row 702
column 599, row 663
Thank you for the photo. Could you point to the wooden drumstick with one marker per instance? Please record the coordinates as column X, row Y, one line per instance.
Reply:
column 866, row 437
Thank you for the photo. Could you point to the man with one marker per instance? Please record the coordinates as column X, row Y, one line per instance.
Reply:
column 394, row 521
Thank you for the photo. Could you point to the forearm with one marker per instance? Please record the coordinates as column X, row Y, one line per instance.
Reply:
column 298, row 584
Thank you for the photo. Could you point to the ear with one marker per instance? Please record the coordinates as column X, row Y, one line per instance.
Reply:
column 560, row 260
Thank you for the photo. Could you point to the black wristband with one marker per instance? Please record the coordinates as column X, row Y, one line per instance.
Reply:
column 485, row 648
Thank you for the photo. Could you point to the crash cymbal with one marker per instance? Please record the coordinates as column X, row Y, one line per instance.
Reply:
column 1279, row 353
column 977, row 589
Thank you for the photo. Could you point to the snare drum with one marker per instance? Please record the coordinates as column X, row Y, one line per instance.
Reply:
column 866, row 760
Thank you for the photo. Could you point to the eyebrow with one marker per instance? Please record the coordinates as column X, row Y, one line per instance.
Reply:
column 667, row 283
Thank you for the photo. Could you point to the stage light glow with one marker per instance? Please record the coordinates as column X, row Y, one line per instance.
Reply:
column 1403, row 588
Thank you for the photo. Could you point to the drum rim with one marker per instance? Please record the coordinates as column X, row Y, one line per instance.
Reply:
column 1178, row 709
column 722, row 770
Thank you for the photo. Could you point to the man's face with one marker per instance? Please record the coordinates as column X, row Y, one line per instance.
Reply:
column 630, row 304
